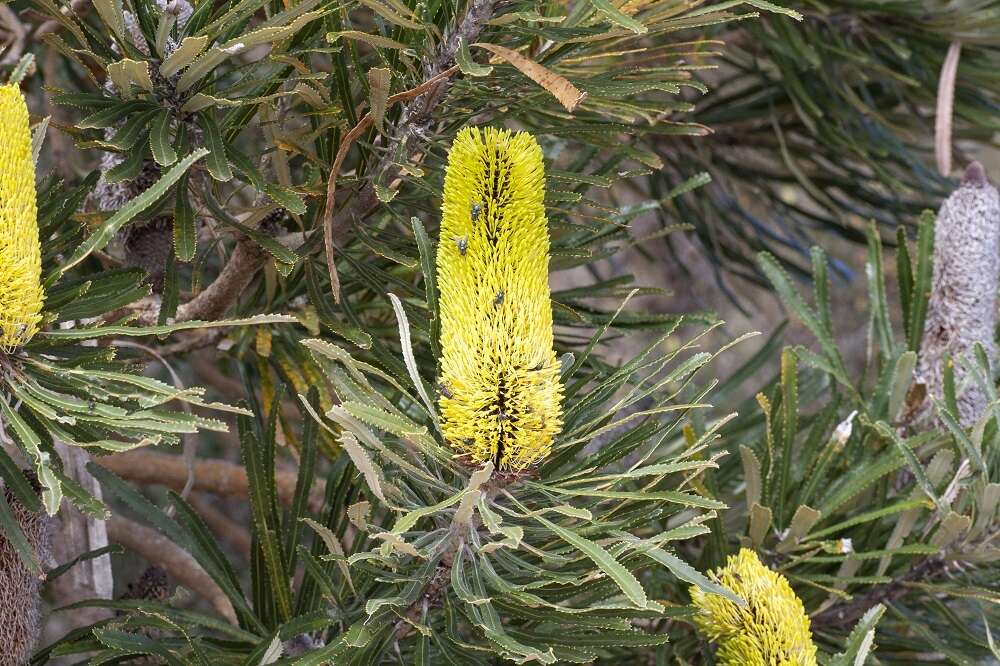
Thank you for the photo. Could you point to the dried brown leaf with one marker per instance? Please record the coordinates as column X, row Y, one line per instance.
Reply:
column 560, row 87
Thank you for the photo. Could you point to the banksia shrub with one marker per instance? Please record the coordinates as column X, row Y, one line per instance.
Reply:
column 414, row 478
column 500, row 387
column 772, row 629
column 20, row 612
column 20, row 253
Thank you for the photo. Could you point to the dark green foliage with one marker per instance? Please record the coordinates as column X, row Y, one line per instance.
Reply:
column 855, row 505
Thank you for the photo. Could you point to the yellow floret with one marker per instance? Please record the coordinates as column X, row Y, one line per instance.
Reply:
column 20, row 253
column 500, row 389
column 771, row 630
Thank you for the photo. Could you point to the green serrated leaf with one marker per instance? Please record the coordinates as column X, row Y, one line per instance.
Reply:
column 861, row 640
column 921, row 292
column 619, row 17
column 160, row 139
column 31, row 444
column 288, row 199
column 628, row 583
column 185, row 231
column 466, row 63
column 217, row 162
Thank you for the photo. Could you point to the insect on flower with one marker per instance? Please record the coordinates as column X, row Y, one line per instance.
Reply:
column 463, row 245
column 508, row 410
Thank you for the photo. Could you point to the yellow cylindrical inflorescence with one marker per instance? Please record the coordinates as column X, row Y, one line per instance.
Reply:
column 771, row 630
column 500, row 388
column 20, row 253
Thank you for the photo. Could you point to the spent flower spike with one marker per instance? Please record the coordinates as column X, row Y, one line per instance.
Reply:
column 771, row 630
column 500, row 388
column 20, row 252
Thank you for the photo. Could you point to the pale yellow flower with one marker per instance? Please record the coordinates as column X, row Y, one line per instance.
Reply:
column 500, row 389
column 771, row 630
column 20, row 253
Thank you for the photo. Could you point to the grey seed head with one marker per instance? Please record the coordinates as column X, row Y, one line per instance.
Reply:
column 975, row 176
column 961, row 312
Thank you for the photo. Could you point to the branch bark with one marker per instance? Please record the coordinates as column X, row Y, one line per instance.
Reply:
column 217, row 477
column 845, row 614
column 178, row 563
column 236, row 275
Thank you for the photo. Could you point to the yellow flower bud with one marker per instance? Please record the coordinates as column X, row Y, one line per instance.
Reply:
column 500, row 389
column 771, row 630
column 20, row 253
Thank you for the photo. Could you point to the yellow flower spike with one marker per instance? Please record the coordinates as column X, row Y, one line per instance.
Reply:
column 500, row 389
column 771, row 630
column 20, row 253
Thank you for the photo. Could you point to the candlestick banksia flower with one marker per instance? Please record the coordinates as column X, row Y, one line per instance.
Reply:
column 771, row 630
column 20, row 252
column 500, row 389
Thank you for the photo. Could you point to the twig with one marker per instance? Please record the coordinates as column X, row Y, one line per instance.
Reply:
column 210, row 476
column 848, row 613
column 79, row 7
column 158, row 549
column 345, row 146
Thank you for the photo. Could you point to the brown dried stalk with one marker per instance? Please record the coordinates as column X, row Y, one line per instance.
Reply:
column 945, row 108
column 345, row 146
